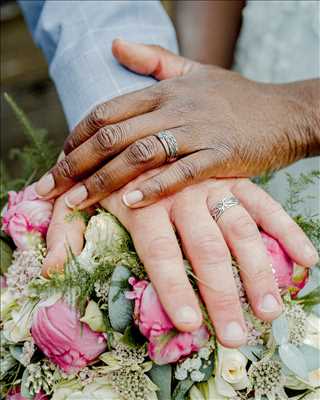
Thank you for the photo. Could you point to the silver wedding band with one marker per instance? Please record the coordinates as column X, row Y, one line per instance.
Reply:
column 169, row 144
column 223, row 205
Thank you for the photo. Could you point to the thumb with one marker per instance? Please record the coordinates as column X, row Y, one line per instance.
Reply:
column 62, row 234
column 151, row 60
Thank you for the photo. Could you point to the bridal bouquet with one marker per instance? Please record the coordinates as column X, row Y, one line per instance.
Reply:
column 98, row 331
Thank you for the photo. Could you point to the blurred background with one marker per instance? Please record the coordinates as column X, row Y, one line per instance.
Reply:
column 24, row 75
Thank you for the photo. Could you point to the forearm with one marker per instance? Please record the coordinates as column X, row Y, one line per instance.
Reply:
column 212, row 39
column 76, row 37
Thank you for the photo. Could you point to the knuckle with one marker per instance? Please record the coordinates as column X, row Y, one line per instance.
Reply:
column 243, row 229
column 163, row 248
column 211, row 249
column 261, row 276
column 187, row 171
column 108, row 137
column 270, row 207
column 98, row 182
column 155, row 187
column 175, row 288
column 97, row 117
column 225, row 300
column 142, row 151
column 66, row 168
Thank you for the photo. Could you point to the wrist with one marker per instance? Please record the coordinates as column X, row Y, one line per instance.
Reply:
column 303, row 102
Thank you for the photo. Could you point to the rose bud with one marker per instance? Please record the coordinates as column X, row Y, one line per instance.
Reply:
column 58, row 332
column 288, row 275
column 15, row 394
column 26, row 217
column 166, row 345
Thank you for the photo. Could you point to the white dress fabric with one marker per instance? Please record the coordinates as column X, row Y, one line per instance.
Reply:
column 280, row 42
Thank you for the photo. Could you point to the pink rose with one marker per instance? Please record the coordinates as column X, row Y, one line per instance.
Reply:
column 15, row 394
column 26, row 213
column 67, row 342
column 288, row 275
column 166, row 345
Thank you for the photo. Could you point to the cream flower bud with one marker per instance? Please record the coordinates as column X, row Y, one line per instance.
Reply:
column 232, row 366
column 206, row 391
column 17, row 329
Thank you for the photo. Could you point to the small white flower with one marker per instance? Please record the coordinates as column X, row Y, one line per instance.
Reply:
column 187, row 364
column 204, row 353
column 197, row 376
column 181, row 373
column 195, row 363
column 312, row 338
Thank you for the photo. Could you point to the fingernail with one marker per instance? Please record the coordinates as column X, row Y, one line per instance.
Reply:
column 269, row 304
column 310, row 252
column 187, row 315
column 45, row 185
column 132, row 198
column 76, row 196
column 233, row 332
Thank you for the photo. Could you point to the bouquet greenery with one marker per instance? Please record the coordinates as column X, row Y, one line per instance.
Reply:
column 99, row 331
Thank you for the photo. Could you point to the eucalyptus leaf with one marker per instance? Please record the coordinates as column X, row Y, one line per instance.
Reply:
column 182, row 389
column 7, row 362
column 16, row 352
column 5, row 256
column 253, row 353
column 293, row 359
column 24, row 387
column 280, row 329
column 311, row 355
column 312, row 283
column 316, row 310
column 120, row 308
column 161, row 375
column 207, row 367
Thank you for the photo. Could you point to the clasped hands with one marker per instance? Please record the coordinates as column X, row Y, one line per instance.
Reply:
column 113, row 157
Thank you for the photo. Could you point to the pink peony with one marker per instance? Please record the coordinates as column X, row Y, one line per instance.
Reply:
column 67, row 342
column 15, row 394
column 166, row 345
column 288, row 275
column 26, row 213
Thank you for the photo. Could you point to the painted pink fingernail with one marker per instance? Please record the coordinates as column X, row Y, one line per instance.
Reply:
column 45, row 185
column 131, row 198
column 233, row 332
column 76, row 196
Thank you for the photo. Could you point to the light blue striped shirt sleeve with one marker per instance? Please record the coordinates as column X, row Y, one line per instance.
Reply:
column 76, row 37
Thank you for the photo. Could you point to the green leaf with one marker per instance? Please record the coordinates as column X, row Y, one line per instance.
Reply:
column 24, row 387
column 280, row 330
column 293, row 359
column 120, row 308
column 311, row 355
column 253, row 353
column 207, row 367
column 161, row 375
column 132, row 337
column 5, row 256
column 182, row 389
column 312, row 283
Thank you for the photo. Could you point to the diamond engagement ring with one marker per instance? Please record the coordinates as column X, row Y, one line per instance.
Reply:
column 223, row 205
column 169, row 144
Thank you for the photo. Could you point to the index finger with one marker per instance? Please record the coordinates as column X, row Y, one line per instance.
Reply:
column 61, row 235
column 110, row 112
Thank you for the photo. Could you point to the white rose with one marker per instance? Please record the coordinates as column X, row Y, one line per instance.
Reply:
column 17, row 329
column 232, row 367
column 206, row 391
column 313, row 339
column 7, row 302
